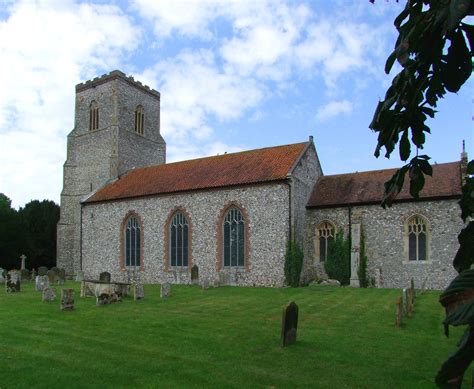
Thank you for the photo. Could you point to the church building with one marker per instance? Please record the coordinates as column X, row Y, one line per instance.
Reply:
column 126, row 211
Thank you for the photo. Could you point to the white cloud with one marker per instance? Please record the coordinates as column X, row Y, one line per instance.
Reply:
column 45, row 46
column 332, row 109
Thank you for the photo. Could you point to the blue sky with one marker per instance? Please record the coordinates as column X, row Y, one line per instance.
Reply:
column 233, row 75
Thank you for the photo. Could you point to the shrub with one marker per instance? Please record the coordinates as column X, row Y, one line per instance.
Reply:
column 362, row 271
column 338, row 264
column 293, row 263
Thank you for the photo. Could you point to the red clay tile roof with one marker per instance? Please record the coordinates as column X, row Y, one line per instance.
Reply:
column 247, row 167
column 367, row 187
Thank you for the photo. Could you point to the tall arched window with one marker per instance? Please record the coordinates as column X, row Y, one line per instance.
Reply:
column 325, row 233
column 139, row 119
column 132, row 242
column 94, row 116
column 417, row 238
column 178, row 244
column 234, row 238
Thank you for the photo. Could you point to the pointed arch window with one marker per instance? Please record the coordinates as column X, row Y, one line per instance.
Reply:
column 325, row 234
column 132, row 242
column 234, row 238
column 139, row 120
column 417, row 231
column 179, row 240
column 93, row 116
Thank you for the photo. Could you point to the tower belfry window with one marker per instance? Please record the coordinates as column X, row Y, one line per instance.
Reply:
column 139, row 119
column 94, row 116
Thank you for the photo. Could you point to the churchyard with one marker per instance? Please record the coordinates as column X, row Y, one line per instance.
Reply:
column 221, row 337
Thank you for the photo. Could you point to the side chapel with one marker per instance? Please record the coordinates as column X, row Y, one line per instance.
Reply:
column 126, row 211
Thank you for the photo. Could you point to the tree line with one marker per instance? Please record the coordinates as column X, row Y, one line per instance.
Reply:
column 30, row 231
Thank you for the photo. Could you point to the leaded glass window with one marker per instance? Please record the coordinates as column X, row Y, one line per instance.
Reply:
column 179, row 231
column 132, row 242
column 94, row 116
column 234, row 238
column 417, row 241
column 139, row 119
column 325, row 235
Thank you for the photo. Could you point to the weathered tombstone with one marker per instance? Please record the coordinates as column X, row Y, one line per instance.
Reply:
column 52, row 275
column 104, row 276
column 23, row 259
column 412, row 287
column 33, row 275
column 61, row 276
column 398, row 312
column 2, row 277
column 41, row 283
column 42, row 270
column 423, row 285
column 12, row 285
column 49, row 294
column 165, row 290
column 289, row 324
column 25, row 274
column 67, row 299
column 138, row 292
column 80, row 276
column 121, row 289
column 405, row 302
column 195, row 275
column 104, row 294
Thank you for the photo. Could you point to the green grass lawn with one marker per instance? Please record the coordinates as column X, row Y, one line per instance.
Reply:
column 222, row 337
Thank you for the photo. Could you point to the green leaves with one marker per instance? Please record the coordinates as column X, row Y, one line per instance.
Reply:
column 465, row 255
column 458, row 66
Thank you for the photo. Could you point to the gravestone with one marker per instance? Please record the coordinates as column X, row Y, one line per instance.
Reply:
column 41, row 283
column 49, row 294
column 23, row 259
column 195, row 275
column 67, row 299
column 2, row 277
column 398, row 312
column 165, row 290
column 42, row 270
column 61, row 276
column 105, row 276
column 289, row 324
column 138, row 292
column 25, row 274
column 80, row 276
column 412, row 287
column 52, row 275
column 12, row 284
column 405, row 302
column 33, row 275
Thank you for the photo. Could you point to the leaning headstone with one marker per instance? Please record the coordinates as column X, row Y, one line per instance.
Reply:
column 165, row 290
column 42, row 270
column 80, row 276
column 49, row 294
column 105, row 276
column 398, row 312
column 41, row 283
column 289, row 324
column 61, row 276
column 12, row 285
column 33, row 275
column 138, row 292
column 67, row 299
column 195, row 275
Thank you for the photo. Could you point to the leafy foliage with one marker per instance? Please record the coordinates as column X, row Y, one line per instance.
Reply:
column 432, row 48
column 293, row 263
column 338, row 264
column 362, row 270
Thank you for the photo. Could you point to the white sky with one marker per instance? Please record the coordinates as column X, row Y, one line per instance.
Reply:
column 232, row 75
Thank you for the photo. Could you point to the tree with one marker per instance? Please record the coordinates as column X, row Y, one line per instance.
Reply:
column 12, row 234
column 338, row 263
column 432, row 49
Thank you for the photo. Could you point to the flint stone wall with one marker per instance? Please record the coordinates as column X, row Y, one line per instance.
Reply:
column 386, row 246
column 267, row 207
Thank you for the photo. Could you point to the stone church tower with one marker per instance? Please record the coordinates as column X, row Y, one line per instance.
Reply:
column 117, row 128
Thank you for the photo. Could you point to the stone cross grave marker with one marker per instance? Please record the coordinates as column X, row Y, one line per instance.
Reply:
column 195, row 275
column 105, row 276
column 165, row 290
column 398, row 312
column 138, row 292
column 49, row 294
column 41, row 283
column 67, row 299
column 289, row 324
column 23, row 259
column 42, row 270
column 12, row 284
